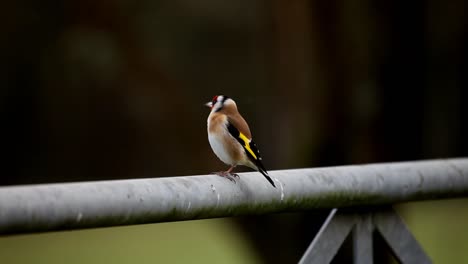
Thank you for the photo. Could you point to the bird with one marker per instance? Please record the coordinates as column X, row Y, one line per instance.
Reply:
column 230, row 138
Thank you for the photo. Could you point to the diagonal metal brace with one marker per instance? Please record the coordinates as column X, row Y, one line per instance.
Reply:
column 403, row 244
column 329, row 238
column 362, row 225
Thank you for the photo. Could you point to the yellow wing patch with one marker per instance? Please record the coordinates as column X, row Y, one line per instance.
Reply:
column 247, row 144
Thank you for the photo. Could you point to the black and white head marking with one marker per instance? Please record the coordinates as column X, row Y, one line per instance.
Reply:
column 219, row 101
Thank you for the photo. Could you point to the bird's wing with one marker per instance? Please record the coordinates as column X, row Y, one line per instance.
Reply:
column 250, row 149
column 239, row 123
column 247, row 144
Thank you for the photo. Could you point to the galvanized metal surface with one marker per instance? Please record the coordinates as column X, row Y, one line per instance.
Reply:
column 110, row 203
column 363, row 248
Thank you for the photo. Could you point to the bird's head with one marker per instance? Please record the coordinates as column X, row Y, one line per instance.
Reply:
column 220, row 102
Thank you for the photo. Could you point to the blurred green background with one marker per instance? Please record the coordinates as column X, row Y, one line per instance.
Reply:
column 96, row 90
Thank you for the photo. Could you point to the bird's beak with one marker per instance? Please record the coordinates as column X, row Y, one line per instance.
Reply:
column 209, row 104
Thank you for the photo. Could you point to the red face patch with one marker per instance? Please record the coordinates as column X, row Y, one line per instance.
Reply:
column 215, row 100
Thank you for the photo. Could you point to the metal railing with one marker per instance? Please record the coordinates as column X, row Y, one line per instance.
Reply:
column 35, row 208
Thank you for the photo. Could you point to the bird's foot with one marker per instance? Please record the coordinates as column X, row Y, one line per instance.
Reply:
column 230, row 176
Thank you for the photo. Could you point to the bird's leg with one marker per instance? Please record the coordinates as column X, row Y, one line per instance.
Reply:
column 232, row 174
column 227, row 174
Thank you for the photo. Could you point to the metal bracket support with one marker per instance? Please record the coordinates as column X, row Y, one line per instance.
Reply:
column 362, row 224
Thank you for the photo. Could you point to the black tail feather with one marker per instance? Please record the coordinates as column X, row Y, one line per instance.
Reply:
column 263, row 171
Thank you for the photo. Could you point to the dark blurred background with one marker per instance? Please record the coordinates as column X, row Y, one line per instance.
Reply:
column 95, row 90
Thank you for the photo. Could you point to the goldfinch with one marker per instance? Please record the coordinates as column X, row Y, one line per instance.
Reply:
column 230, row 138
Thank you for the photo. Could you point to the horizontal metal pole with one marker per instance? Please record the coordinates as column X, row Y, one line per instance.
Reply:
column 33, row 208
